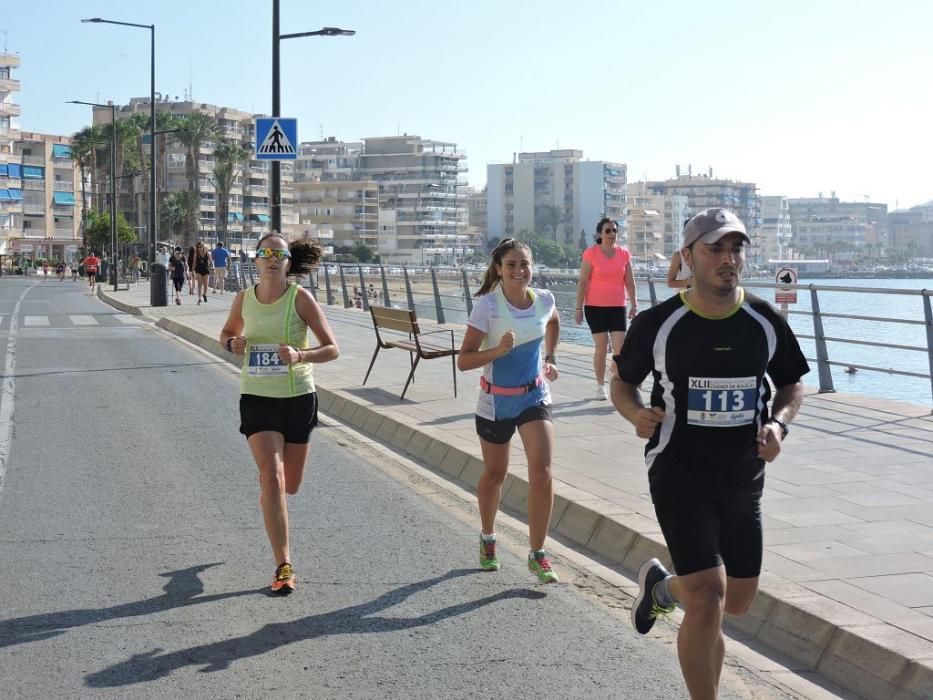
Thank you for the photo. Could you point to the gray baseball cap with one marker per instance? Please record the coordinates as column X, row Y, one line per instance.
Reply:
column 712, row 224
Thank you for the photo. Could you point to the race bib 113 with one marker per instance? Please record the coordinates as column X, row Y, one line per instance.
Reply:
column 721, row 402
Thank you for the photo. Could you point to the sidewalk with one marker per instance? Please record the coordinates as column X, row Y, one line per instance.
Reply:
column 848, row 583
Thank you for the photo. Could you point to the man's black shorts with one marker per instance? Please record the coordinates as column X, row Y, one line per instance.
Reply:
column 705, row 533
column 293, row 417
column 501, row 431
column 606, row 319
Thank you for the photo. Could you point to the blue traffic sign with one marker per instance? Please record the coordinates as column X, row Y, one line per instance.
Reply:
column 276, row 138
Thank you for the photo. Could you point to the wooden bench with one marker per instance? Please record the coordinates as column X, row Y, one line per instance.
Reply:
column 420, row 344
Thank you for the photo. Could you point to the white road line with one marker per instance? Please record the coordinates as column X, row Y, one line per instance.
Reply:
column 8, row 390
column 84, row 320
column 129, row 319
column 34, row 320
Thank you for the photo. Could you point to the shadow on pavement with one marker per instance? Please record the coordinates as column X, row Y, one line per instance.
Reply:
column 182, row 590
column 356, row 619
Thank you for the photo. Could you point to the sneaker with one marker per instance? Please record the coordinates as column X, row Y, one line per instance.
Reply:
column 178, row 301
column 205, row 298
column 601, row 394
column 645, row 610
column 488, row 559
column 284, row 581
column 540, row 566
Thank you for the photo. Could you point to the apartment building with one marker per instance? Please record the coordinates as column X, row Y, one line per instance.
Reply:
column 478, row 222
column 332, row 202
column 776, row 231
column 40, row 185
column 818, row 222
column 423, row 182
column 653, row 223
column 249, row 216
column 704, row 191
column 911, row 230
column 11, row 210
column 554, row 194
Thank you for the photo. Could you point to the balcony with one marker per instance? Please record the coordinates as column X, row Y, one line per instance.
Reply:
column 34, row 209
column 9, row 109
column 64, row 186
column 33, row 160
column 9, row 85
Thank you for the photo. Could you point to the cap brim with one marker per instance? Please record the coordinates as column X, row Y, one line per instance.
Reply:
column 714, row 236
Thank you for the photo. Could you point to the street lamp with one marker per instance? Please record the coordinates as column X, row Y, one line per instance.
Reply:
column 158, row 294
column 113, row 181
column 275, row 182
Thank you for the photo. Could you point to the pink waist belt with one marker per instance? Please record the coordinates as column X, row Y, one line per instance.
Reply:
column 510, row 390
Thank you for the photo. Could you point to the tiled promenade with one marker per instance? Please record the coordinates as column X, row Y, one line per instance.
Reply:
column 848, row 582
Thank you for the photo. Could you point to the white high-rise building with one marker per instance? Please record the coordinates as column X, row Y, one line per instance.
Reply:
column 653, row 223
column 776, row 231
column 553, row 194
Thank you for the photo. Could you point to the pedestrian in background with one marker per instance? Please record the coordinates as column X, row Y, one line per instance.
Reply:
column 202, row 270
column 503, row 336
column 219, row 256
column 268, row 326
column 605, row 276
column 190, row 261
column 178, row 271
column 135, row 263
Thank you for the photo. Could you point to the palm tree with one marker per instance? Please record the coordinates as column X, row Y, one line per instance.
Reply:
column 164, row 121
column 227, row 157
column 195, row 129
column 86, row 145
column 176, row 211
column 548, row 219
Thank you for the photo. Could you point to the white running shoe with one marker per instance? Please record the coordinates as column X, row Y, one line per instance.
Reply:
column 601, row 394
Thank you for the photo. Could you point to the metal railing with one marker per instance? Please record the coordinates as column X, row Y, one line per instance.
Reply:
column 445, row 294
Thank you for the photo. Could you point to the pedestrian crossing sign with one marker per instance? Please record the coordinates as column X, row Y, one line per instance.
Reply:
column 276, row 138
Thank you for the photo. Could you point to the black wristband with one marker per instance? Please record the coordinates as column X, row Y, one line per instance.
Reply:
column 551, row 359
column 229, row 344
column 781, row 424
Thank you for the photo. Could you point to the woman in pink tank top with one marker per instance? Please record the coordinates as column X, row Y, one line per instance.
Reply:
column 606, row 282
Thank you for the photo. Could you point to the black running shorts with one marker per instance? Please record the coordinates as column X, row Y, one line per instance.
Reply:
column 706, row 533
column 606, row 319
column 501, row 431
column 293, row 417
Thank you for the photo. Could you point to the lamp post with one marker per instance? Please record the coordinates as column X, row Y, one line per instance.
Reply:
column 113, row 181
column 158, row 294
column 275, row 181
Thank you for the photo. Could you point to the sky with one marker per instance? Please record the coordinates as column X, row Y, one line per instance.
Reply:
column 801, row 97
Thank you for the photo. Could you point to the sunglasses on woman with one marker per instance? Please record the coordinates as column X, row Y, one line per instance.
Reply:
column 277, row 253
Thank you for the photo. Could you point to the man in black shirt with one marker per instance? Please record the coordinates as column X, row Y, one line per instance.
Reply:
column 709, row 432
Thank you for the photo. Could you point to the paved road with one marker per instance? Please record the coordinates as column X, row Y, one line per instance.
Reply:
column 135, row 564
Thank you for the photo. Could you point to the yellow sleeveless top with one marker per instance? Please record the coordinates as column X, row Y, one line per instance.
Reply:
column 264, row 327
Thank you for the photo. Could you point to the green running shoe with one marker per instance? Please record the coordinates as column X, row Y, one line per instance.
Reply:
column 540, row 566
column 488, row 560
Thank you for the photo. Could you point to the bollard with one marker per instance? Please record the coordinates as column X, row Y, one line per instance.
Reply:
column 652, row 293
column 466, row 292
column 347, row 304
column 363, row 291
column 411, row 297
column 928, row 315
column 822, row 356
column 438, row 309
column 385, row 287
column 330, row 292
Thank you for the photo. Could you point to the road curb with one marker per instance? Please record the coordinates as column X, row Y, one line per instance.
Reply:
column 852, row 649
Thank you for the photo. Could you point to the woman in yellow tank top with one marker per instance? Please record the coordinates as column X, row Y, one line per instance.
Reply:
column 268, row 327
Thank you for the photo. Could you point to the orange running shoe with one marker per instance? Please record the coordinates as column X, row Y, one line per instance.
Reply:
column 284, row 581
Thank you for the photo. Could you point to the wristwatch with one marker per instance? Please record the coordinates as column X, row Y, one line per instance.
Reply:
column 781, row 424
column 551, row 358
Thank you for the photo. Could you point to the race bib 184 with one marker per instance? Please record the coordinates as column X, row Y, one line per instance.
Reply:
column 721, row 402
column 264, row 360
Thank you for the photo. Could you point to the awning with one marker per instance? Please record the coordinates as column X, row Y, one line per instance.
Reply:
column 261, row 218
column 16, row 170
column 67, row 198
column 16, row 194
column 3, row 169
column 5, row 196
column 60, row 150
column 234, row 216
column 33, row 172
